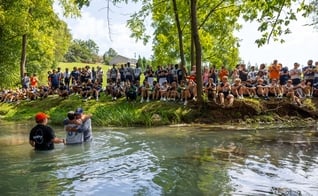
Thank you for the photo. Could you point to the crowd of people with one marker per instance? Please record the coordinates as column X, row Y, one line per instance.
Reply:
column 166, row 83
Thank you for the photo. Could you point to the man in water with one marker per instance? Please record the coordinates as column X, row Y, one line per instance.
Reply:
column 73, row 136
column 42, row 137
column 85, row 127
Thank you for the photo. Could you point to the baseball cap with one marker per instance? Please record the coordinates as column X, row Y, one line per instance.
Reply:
column 40, row 116
column 78, row 111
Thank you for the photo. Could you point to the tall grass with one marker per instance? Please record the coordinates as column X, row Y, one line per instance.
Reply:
column 105, row 112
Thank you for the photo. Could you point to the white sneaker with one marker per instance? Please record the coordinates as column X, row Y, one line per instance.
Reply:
column 185, row 102
column 142, row 100
column 255, row 96
column 148, row 100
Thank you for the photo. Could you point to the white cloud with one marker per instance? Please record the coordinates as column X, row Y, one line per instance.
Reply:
column 88, row 27
column 93, row 25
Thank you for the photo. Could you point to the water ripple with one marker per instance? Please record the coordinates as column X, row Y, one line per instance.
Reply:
column 113, row 162
column 259, row 176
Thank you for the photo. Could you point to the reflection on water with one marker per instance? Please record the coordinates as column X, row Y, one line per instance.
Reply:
column 163, row 161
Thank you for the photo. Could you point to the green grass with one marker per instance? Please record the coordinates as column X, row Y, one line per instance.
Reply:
column 105, row 112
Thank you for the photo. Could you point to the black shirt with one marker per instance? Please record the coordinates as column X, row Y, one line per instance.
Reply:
column 42, row 135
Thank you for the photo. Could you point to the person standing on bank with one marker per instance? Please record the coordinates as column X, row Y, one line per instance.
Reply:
column 42, row 136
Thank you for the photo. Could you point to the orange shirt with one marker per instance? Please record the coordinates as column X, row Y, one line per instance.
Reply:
column 273, row 72
column 223, row 72
column 34, row 81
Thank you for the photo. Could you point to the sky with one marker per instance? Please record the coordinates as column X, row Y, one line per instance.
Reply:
column 300, row 46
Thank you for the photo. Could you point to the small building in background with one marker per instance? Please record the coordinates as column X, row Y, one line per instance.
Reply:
column 118, row 60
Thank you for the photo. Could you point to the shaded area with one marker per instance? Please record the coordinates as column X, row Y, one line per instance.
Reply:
column 253, row 111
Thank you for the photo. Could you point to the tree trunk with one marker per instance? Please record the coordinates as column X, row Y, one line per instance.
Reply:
column 198, row 49
column 180, row 35
column 23, row 56
column 192, row 53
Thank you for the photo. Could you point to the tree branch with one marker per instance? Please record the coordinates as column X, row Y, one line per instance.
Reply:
column 275, row 23
column 108, row 20
column 210, row 13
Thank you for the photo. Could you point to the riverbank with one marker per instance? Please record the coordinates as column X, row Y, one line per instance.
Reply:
column 157, row 113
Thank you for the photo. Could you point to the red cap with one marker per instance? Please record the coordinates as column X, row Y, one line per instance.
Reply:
column 41, row 116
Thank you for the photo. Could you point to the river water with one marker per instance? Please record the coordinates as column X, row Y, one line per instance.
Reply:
column 179, row 160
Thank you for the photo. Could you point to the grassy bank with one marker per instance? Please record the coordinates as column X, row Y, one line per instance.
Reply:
column 155, row 113
column 105, row 112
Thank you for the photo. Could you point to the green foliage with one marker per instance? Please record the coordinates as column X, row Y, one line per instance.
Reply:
column 47, row 38
column 216, row 32
column 138, row 28
column 109, row 55
column 311, row 10
column 82, row 51
column 105, row 112
column 274, row 17
column 217, row 22
column 72, row 7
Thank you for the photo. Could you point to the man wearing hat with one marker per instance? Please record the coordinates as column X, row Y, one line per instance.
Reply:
column 87, row 124
column 85, row 127
column 72, row 135
column 42, row 137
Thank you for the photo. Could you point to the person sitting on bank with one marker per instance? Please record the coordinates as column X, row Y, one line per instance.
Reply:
column 224, row 92
column 210, row 89
column 74, row 134
column 289, row 91
column 131, row 94
column 42, row 136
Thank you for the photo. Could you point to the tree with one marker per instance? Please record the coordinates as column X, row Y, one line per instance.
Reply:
column 144, row 62
column 312, row 11
column 82, row 51
column 174, row 37
column 216, row 22
column 30, row 35
column 197, row 47
column 139, row 61
column 109, row 55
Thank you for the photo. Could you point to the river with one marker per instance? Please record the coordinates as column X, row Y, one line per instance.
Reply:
column 178, row 160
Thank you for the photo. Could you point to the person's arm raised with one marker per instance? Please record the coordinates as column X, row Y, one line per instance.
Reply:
column 58, row 140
